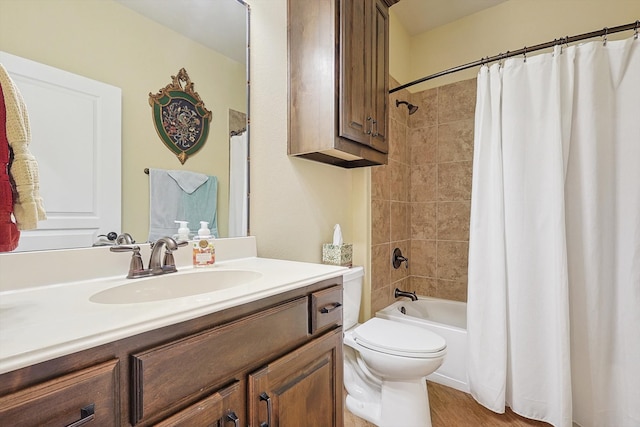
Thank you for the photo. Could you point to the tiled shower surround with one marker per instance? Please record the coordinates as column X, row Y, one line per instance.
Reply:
column 420, row 201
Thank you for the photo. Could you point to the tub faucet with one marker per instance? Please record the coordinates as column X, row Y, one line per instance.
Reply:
column 159, row 264
column 398, row 293
column 397, row 259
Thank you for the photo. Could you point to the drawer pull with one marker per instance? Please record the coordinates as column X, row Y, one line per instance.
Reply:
column 329, row 308
column 86, row 414
column 231, row 416
column 265, row 397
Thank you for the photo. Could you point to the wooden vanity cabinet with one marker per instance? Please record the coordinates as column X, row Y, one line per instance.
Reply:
column 338, row 81
column 88, row 395
column 301, row 388
column 209, row 371
column 178, row 370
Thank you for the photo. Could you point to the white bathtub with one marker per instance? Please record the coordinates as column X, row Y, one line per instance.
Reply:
column 447, row 319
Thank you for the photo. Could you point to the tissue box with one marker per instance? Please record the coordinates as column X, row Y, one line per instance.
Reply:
column 337, row 254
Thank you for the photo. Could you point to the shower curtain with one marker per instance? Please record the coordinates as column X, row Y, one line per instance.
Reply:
column 238, row 185
column 554, row 250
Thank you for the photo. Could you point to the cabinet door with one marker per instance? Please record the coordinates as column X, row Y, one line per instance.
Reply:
column 88, row 396
column 303, row 388
column 355, row 121
column 223, row 408
column 380, row 77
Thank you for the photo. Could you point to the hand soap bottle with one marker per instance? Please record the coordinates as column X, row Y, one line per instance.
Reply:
column 183, row 231
column 204, row 253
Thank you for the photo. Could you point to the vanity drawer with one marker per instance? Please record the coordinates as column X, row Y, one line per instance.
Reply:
column 88, row 396
column 325, row 309
column 169, row 376
column 222, row 407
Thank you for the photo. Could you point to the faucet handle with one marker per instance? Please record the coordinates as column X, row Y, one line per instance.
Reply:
column 124, row 248
column 136, row 266
column 169, row 263
column 397, row 259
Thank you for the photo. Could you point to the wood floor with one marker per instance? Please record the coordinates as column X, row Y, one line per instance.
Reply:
column 453, row 408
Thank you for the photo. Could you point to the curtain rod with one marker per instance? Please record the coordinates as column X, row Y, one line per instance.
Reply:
column 564, row 40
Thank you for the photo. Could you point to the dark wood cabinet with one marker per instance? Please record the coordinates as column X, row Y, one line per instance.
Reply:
column 202, row 372
column 338, row 81
column 166, row 375
column 77, row 398
column 220, row 409
column 303, row 388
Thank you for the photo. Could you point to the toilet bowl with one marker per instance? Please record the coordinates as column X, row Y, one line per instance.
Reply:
column 385, row 364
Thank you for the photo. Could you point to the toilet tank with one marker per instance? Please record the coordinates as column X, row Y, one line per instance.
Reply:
column 351, row 296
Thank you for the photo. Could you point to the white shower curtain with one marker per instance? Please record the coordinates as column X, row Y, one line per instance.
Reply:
column 238, row 185
column 554, row 250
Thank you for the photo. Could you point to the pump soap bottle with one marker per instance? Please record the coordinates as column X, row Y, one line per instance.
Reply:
column 204, row 253
column 183, row 231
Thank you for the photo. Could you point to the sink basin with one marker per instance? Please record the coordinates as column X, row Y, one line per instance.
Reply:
column 175, row 285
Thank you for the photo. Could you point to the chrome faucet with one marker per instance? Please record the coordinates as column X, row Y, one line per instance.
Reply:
column 125, row 239
column 398, row 293
column 157, row 263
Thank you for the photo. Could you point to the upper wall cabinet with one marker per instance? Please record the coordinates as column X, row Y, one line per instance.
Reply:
column 338, row 81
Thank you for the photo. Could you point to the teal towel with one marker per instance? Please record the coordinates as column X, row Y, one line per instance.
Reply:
column 181, row 195
column 201, row 206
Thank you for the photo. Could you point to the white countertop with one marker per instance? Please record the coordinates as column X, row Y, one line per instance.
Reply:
column 42, row 323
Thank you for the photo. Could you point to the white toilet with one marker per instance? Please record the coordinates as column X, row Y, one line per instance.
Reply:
column 385, row 364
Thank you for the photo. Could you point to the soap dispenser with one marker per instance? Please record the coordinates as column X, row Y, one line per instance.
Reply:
column 204, row 253
column 183, row 231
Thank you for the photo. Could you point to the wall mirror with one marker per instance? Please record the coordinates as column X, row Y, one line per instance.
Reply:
column 136, row 46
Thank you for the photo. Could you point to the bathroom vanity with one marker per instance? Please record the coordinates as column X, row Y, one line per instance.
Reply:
column 268, row 352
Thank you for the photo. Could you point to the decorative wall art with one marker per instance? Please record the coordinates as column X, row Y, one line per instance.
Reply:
column 180, row 117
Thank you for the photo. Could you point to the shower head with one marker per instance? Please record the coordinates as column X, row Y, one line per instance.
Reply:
column 412, row 108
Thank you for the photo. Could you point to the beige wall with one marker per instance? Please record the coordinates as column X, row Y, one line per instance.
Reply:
column 399, row 51
column 123, row 49
column 509, row 26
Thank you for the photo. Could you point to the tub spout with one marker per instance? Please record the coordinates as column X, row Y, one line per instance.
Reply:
column 398, row 293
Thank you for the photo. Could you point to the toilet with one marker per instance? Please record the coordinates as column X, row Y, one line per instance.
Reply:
column 385, row 364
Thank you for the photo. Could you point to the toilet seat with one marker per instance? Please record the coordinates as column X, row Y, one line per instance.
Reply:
column 399, row 339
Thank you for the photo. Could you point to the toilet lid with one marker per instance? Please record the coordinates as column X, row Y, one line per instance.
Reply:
column 398, row 338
